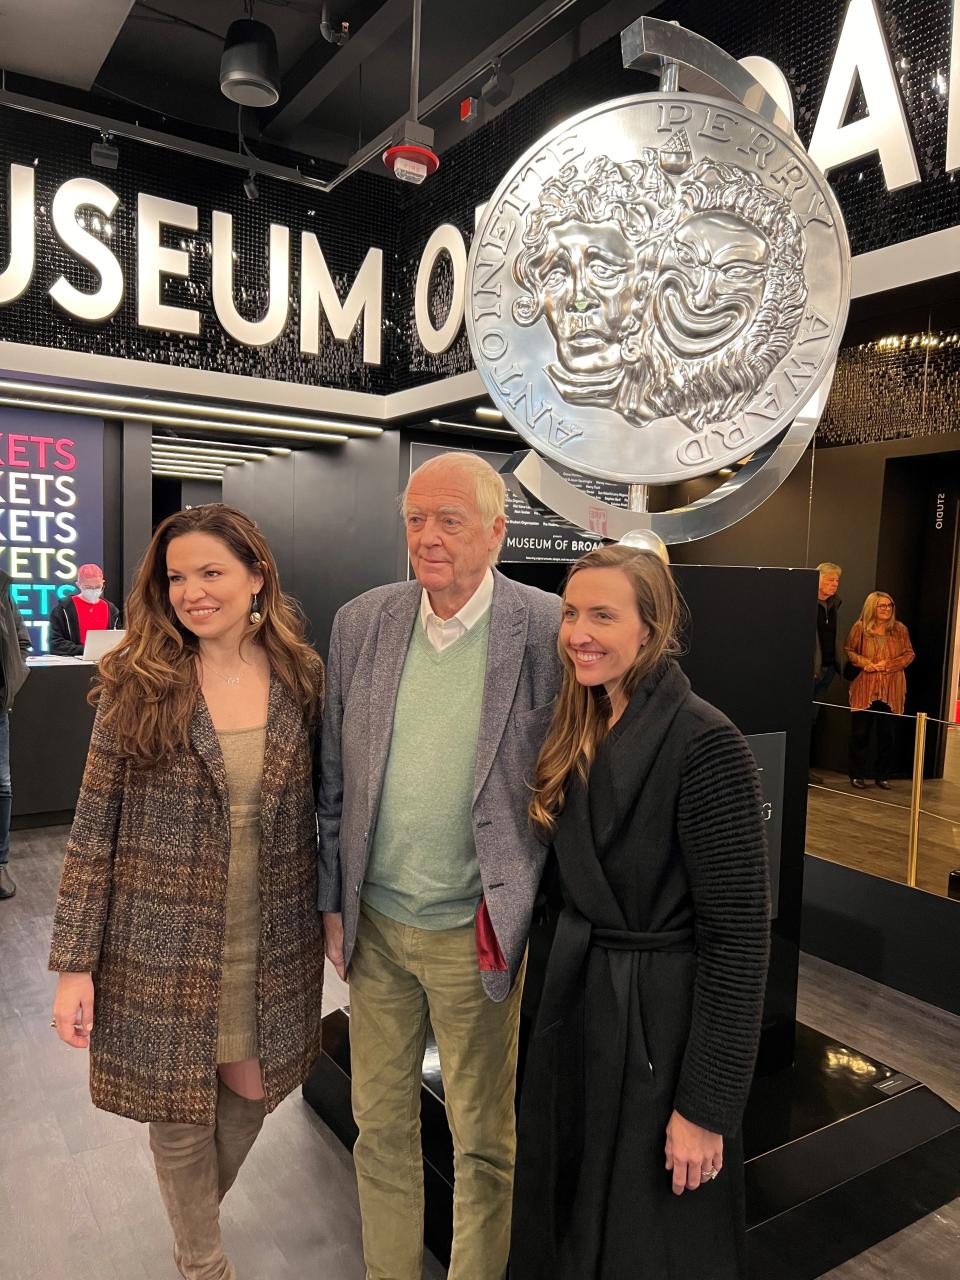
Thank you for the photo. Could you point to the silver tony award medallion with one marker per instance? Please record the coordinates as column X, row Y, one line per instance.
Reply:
column 656, row 290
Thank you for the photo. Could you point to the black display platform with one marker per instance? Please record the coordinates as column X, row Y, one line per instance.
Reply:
column 841, row 1151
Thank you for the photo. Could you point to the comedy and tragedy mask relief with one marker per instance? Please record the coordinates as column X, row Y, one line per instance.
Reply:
column 664, row 295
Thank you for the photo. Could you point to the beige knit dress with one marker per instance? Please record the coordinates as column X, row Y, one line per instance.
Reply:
column 243, row 759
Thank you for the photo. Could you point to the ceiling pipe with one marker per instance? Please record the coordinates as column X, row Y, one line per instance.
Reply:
column 415, row 63
column 333, row 35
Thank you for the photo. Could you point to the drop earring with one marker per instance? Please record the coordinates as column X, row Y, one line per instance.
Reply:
column 255, row 614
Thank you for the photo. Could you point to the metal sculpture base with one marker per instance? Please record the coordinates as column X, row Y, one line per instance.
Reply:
column 754, row 482
column 842, row 1151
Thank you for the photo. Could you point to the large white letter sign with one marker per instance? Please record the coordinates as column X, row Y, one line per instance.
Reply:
column 364, row 300
column 862, row 54
column 154, row 260
column 446, row 239
column 73, row 196
column 252, row 333
column 15, row 280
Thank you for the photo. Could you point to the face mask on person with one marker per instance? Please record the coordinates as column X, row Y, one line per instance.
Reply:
column 91, row 594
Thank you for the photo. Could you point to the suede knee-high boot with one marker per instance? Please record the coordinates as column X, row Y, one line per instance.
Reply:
column 239, row 1121
column 186, row 1159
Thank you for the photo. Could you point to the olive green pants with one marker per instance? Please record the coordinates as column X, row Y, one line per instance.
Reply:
column 401, row 979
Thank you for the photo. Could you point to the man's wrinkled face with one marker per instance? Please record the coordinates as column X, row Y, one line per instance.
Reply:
column 450, row 546
column 588, row 284
column 711, row 283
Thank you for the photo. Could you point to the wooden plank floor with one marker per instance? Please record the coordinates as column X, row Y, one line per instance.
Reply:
column 869, row 830
column 77, row 1191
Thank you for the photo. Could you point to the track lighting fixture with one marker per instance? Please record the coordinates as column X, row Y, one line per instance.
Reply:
column 499, row 87
column 103, row 154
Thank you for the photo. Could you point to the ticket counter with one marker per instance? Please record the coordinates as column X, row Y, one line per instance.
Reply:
column 50, row 728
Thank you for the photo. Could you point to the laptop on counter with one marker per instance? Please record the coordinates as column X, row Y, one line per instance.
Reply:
column 98, row 643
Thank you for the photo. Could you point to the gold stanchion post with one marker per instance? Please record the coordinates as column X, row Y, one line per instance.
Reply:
column 916, row 795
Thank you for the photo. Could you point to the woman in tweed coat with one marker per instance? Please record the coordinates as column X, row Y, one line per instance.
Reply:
column 214, row 659
column 629, row 1160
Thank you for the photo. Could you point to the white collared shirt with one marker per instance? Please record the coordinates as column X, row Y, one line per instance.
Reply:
column 442, row 633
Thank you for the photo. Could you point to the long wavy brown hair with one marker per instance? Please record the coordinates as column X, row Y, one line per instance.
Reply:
column 581, row 719
column 150, row 683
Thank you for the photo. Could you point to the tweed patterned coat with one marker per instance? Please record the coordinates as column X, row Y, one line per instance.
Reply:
column 142, row 905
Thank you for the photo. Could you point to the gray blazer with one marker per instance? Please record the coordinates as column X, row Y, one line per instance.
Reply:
column 368, row 647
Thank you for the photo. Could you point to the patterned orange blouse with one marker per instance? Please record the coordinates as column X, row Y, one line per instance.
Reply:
column 889, row 686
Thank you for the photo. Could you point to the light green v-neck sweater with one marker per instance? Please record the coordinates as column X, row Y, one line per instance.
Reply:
column 423, row 867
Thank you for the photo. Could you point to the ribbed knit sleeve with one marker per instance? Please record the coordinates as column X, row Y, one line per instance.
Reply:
column 722, row 839
column 86, row 881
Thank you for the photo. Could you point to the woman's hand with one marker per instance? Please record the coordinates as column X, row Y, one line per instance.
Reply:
column 694, row 1155
column 73, row 1009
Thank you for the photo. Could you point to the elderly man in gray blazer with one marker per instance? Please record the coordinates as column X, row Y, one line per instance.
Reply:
column 439, row 695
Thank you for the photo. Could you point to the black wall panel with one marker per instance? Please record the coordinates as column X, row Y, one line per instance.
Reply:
column 331, row 519
column 901, row 937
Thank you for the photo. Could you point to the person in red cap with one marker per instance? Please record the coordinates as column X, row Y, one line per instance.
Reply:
column 86, row 611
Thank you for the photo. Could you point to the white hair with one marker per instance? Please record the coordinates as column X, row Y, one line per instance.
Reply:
column 489, row 490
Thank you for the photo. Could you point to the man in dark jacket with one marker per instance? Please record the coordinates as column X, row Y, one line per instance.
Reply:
column 828, row 660
column 14, row 645
column 86, row 611
column 828, row 656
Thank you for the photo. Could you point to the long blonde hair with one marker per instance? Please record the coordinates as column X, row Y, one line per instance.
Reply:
column 150, row 683
column 868, row 614
column 580, row 721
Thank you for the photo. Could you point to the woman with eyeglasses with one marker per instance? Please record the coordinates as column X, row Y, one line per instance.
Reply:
column 879, row 646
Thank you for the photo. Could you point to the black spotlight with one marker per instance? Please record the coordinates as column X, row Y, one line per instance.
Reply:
column 499, row 87
column 250, row 186
column 104, row 155
column 249, row 67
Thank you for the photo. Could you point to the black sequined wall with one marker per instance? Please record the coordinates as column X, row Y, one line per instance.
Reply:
column 906, row 389
column 359, row 214
column 368, row 210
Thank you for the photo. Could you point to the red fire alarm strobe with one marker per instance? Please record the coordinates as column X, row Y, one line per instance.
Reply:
column 411, row 163
column 468, row 109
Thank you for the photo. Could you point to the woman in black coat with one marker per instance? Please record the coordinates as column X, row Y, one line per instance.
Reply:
column 629, row 1161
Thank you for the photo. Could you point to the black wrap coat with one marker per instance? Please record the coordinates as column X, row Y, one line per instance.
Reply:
column 652, row 1002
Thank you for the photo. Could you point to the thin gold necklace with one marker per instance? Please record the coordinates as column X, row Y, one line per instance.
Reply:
column 231, row 681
